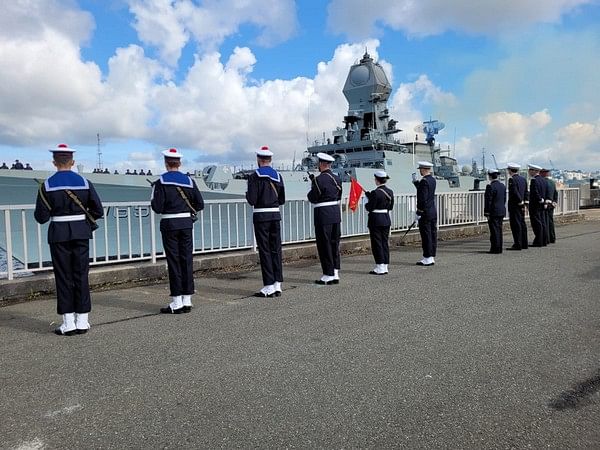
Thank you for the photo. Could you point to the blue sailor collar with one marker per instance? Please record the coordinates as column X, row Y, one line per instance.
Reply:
column 66, row 179
column 176, row 178
column 269, row 172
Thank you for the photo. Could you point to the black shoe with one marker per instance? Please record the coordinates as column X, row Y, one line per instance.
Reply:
column 326, row 283
column 261, row 295
column 335, row 281
column 187, row 309
column 425, row 265
column 81, row 331
column 372, row 272
column 168, row 310
column 66, row 333
column 277, row 294
column 514, row 248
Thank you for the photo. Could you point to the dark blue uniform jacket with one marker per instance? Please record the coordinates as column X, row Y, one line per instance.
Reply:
column 517, row 192
column 426, row 198
column 166, row 199
column 54, row 191
column 265, row 190
column 326, row 187
column 537, row 192
column 495, row 199
column 380, row 198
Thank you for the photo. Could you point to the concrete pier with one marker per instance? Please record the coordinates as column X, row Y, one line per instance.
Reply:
column 479, row 351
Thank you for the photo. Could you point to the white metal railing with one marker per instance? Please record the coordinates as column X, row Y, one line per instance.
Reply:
column 130, row 230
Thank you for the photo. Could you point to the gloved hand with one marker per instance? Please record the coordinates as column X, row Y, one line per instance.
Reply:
column 414, row 176
column 311, row 176
column 417, row 217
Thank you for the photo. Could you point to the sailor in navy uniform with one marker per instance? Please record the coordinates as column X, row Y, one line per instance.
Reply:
column 265, row 194
column 495, row 209
column 380, row 203
column 426, row 213
column 176, row 196
column 68, row 236
column 551, row 202
column 518, row 198
column 537, row 204
column 325, row 194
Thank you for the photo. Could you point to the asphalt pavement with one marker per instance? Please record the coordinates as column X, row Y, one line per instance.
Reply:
column 479, row 351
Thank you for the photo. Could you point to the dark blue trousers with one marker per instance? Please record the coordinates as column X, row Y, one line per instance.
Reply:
column 178, row 247
column 268, row 243
column 328, row 246
column 495, row 225
column 536, row 216
column 379, row 244
column 71, row 262
column 518, row 227
column 428, row 231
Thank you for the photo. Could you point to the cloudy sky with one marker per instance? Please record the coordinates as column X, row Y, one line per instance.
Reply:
column 219, row 78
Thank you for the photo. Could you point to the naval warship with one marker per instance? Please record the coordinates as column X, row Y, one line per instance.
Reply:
column 367, row 142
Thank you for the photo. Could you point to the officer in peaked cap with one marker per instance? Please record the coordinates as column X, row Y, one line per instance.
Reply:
column 551, row 202
column 518, row 198
column 495, row 209
column 176, row 196
column 426, row 213
column 537, row 204
column 325, row 194
column 265, row 194
column 380, row 203
column 72, row 206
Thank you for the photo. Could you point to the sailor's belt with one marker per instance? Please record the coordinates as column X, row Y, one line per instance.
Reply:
column 185, row 215
column 381, row 211
column 266, row 210
column 73, row 218
column 334, row 203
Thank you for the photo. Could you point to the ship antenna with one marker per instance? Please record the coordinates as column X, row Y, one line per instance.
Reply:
column 99, row 152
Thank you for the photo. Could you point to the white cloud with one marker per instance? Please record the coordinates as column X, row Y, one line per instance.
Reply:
column 170, row 24
column 577, row 146
column 358, row 18
column 509, row 136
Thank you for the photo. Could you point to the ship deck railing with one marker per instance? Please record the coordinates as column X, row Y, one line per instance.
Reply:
column 130, row 231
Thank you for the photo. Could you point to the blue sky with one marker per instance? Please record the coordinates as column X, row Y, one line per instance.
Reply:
column 220, row 78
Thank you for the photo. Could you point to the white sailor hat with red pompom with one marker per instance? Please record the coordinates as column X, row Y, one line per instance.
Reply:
column 172, row 153
column 264, row 151
column 62, row 148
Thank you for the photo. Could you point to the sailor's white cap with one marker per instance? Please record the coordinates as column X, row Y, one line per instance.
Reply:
column 172, row 153
column 62, row 148
column 325, row 157
column 425, row 165
column 534, row 167
column 264, row 151
column 513, row 166
column 381, row 174
column 493, row 171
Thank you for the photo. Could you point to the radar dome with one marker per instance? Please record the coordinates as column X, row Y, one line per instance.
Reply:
column 466, row 169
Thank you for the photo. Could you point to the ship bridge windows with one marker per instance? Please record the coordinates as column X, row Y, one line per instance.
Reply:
column 388, row 162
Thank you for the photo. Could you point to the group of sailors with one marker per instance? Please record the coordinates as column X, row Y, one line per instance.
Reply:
column 539, row 199
column 71, row 204
column 17, row 165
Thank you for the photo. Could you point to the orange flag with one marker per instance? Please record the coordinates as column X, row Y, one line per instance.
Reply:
column 356, row 191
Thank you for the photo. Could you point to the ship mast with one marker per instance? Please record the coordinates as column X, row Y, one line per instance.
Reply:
column 99, row 152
